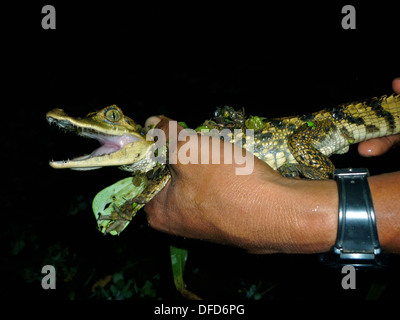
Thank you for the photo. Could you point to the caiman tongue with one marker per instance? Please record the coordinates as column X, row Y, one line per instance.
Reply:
column 115, row 150
column 110, row 144
column 112, row 152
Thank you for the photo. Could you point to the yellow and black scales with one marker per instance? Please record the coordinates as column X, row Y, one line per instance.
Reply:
column 295, row 146
column 301, row 145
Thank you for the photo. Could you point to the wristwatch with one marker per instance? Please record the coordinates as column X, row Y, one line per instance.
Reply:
column 357, row 241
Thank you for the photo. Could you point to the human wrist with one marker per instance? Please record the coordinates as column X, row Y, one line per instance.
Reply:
column 295, row 216
column 323, row 222
column 385, row 194
column 317, row 205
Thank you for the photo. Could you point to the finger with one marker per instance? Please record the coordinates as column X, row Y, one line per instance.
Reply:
column 152, row 122
column 167, row 130
column 396, row 85
column 377, row 146
column 163, row 123
column 166, row 124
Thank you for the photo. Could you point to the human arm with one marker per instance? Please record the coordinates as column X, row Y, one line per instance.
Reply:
column 264, row 212
column 259, row 212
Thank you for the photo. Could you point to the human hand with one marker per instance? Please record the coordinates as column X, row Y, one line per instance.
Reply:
column 378, row 146
column 261, row 212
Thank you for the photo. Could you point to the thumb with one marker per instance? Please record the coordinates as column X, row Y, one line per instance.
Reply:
column 377, row 146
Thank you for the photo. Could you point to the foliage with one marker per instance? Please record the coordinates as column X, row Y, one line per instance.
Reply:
column 119, row 288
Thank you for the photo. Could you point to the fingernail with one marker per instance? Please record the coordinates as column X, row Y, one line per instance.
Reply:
column 152, row 122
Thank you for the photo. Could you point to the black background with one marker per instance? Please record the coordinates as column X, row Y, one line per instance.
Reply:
column 181, row 61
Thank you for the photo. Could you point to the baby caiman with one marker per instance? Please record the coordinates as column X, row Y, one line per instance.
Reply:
column 296, row 146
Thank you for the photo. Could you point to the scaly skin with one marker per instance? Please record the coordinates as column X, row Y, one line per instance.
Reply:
column 123, row 142
column 301, row 145
column 295, row 146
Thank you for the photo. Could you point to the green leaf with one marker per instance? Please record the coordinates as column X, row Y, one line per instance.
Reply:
column 178, row 262
column 183, row 124
column 376, row 290
column 118, row 277
column 115, row 196
column 255, row 123
column 205, row 128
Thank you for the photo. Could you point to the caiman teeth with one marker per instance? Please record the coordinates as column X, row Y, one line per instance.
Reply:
column 108, row 145
column 130, row 153
column 120, row 144
column 69, row 163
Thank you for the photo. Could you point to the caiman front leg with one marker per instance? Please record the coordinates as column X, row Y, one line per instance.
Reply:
column 124, row 207
column 312, row 163
column 116, row 205
column 156, row 181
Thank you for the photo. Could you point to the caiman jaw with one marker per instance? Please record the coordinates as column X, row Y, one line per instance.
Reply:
column 120, row 144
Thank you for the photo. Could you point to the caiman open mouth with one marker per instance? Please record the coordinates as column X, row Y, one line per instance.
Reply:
column 108, row 146
column 114, row 150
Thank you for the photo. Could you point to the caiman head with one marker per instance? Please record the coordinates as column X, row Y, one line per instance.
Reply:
column 121, row 142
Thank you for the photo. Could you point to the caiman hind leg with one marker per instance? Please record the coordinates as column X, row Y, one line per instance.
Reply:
column 311, row 163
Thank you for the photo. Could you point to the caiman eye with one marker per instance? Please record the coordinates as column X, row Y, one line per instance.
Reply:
column 112, row 114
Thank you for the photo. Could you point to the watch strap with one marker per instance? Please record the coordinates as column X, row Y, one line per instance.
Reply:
column 357, row 241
